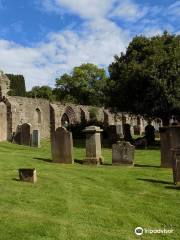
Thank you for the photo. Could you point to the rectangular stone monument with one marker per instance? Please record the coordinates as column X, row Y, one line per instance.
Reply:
column 169, row 138
column 176, row 164
column 115, row 132
column 35, row 141
column 123, row 153
column 62, row 146
column 28, row 175
column 26, row 134
column 93, row 145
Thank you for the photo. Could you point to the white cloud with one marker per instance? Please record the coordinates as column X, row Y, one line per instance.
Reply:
column 129, row 11
column 97, row 43
column 97, row 40
column 174, row 9
column 87, row 8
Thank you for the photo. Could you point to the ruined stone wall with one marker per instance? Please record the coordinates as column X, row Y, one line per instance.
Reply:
column 47, row 117
column 3, row 121
column 30, row 110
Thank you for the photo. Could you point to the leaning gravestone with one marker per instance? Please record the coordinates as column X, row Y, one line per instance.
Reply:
column 35, row 142
column 28, row 175
column 62, row 146
column 26, row 134
column 93, row 145
column 176, row 164
column 169, row 138
column 123, row 153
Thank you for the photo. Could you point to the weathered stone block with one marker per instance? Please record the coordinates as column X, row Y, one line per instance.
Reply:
column 62, row 146
column 35, row 141
column 170, row 138
column 26, row 134
column 176, row 164
column 28, row 175
column 123, row 153
column 93, row 145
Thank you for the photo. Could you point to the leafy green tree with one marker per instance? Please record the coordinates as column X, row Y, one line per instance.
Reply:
column 17, row 85
column 146, row 79
column 85, row 85
column 41, row 92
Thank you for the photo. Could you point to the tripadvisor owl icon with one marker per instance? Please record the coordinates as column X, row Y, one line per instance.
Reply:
column 138, row 231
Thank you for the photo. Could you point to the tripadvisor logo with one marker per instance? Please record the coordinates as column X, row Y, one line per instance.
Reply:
column 138, row 231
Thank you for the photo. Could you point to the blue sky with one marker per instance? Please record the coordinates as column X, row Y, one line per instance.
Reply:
column 42, row 39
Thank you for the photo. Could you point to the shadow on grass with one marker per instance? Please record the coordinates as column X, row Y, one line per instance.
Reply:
column 16, row 179
column 154, row 181
column 78, row 161
column 107, row 164
column 173, row 187
column 43, row 159
column 144, row 165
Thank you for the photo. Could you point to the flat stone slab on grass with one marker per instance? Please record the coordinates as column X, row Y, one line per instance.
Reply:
column 28, row 175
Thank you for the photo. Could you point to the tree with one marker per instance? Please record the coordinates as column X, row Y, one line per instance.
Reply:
column 17, row 85
column 146, row 79
column 85, row 85
column 41, row 92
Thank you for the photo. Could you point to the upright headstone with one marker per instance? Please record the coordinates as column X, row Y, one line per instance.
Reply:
column 123, row 153
column 62, row 149
column 150, row 134
column 26, row 134
column 114, row 133
column 16, row 138
column 35, row 142
column 169, row 139
column 127, row 133
column 176, row 164
column 93, row 145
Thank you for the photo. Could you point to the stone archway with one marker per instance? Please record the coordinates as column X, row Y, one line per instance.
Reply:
column 3, row 121
column 64, row 120
column 68, row 117
column 83, row 115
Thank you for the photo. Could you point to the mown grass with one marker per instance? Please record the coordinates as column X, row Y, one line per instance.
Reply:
column 81, row 202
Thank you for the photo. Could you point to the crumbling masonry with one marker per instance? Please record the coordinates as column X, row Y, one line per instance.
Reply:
column 46, row 116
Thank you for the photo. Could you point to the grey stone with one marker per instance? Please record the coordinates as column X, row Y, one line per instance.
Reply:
column 62, row 146
column 176, row 164
column 35, row 141
column 123, row 153
column 26, row 134
column 28, row 175
column 115, row 132
column 169, row 138
column 93, row 145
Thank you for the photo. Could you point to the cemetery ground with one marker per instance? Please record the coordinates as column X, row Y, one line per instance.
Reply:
column 81, row 202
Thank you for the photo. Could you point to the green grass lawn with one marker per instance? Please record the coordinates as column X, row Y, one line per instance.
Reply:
column 82, row 202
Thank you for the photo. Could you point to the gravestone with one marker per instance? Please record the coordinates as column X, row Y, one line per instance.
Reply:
column 16, row 138
column 150, row 134
column 169, row 139
column 176, row 164
column 114, row 133
column 62, row 146
column 35, row 142
column 122, row 153
column 127, row 133
column 26, row 134
column 28, row 175
column 93, row 145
